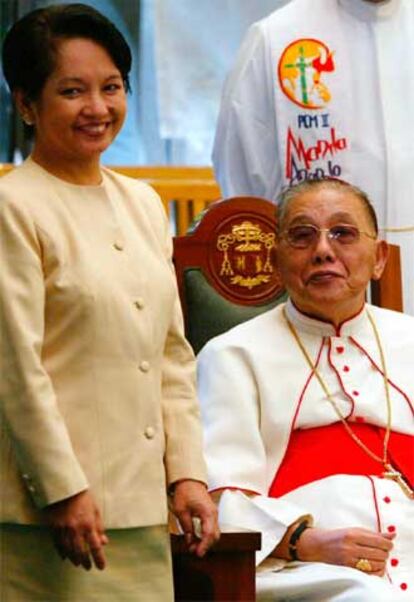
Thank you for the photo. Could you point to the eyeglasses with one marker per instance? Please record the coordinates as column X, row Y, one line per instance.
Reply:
column 305, row 235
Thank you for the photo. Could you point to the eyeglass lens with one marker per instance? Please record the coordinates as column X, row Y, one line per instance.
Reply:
column 305, row 235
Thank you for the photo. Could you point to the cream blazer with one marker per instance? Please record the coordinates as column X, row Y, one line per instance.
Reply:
column 96, row 379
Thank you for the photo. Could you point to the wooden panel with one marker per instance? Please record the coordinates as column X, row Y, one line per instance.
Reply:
column 5, row 168
column 188, row 189
column 199, row 206
column 226, row 573
column 157, row 172
column 152, row 172
column 206, row 190
column 387, row 291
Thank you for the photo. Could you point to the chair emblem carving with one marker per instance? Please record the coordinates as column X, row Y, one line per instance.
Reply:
column 246, row 244
column 243, row 261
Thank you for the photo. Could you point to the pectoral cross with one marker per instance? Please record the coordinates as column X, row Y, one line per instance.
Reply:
column 395, row 475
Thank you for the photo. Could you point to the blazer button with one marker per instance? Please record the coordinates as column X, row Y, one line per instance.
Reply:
column 118, row 246
column 31, row 488
column 26, row 477
column 144, row 366
column 139, row 303
column 149, row 432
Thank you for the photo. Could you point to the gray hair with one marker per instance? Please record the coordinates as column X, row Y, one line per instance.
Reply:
column 291, row 193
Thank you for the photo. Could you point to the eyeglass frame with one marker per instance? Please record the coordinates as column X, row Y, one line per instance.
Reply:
column 330, row 235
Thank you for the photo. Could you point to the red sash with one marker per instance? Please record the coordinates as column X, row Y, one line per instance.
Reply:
column 322, row 451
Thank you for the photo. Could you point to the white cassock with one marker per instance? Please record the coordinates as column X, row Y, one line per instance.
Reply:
column 256, row 388
column 325, row 88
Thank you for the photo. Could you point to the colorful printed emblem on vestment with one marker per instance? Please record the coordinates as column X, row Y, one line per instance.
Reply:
column 302, row 73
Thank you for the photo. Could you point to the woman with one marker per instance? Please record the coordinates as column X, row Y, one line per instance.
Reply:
column 98, row 408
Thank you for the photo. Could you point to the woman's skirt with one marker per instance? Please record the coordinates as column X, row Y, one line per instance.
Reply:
column 138, row 568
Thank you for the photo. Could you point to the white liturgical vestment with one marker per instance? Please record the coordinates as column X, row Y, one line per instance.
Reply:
column 256, row 388
column 325, row 88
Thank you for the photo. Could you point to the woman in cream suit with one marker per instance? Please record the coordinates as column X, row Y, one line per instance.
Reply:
column 98, row 411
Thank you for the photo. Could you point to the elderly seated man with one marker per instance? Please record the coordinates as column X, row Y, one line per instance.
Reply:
column 308, row 413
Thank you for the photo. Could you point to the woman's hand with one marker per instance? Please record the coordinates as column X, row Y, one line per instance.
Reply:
column 346, row 547
column 77, row 530
column 191, row 501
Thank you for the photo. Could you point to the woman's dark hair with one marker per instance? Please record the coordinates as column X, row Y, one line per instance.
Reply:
column 30, row 46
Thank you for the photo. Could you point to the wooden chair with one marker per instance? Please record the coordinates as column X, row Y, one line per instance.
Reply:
column 225, row 270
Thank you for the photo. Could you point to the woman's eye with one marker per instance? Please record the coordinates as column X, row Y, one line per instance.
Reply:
column 113, row 87
column 70, row 92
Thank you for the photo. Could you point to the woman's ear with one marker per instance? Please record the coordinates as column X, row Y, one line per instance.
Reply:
column 24, row 106
column 382, row 252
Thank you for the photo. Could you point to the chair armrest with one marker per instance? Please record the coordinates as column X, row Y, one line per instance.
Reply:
column 227, row 572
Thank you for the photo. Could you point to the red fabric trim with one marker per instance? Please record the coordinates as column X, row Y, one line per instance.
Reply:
column 341, row 324
column 338, row 327
column 377, row 512
column 319, row 452
column 373, row 362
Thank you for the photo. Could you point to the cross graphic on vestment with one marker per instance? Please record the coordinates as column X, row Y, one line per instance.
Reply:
column 302, row 66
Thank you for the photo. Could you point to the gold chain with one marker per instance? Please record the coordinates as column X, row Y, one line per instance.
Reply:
column 384, row 459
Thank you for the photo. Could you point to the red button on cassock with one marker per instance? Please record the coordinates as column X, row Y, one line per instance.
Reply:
column 394, row 561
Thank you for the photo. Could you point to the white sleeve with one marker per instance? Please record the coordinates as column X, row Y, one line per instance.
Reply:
column 230, row 413
column 234, row 448
column 245, row 148
column 270, row 516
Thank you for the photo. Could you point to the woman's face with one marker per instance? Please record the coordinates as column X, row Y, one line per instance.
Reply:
column 81, row 108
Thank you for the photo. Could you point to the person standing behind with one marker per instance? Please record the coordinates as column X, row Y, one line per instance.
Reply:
column 97, row 399
column 323, row 88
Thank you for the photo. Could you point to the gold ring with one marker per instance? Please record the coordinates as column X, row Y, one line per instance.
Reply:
column 364, row 565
